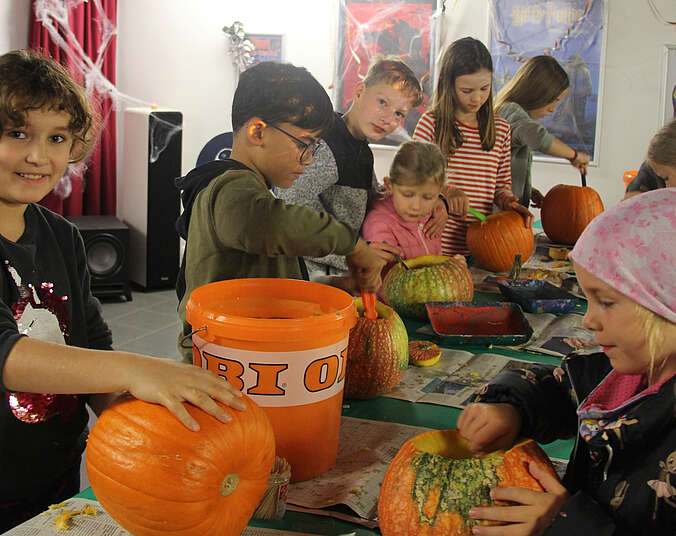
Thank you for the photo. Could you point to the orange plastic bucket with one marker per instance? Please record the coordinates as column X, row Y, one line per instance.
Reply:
column 282, row 342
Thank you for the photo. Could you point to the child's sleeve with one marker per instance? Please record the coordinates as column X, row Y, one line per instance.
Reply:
column 248, row 218
column 424, row 130
column 526, row 130
column 582, row 514
column 376, row 228
column 541, row 394
column 9, row 334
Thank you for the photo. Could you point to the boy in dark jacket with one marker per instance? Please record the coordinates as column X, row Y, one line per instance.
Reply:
column 234, row 225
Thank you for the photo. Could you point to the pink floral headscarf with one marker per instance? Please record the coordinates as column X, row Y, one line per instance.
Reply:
column 632, row 247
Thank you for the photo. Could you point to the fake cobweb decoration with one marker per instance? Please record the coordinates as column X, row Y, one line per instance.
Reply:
column 54, row 17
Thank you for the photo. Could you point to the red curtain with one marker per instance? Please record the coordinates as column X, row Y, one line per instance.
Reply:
column 96, row 192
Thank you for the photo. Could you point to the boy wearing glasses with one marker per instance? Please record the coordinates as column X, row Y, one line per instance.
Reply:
column 341, row 176
column 233, row 224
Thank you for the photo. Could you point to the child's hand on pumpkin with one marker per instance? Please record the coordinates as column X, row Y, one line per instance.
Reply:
column 536, row 198
column 525, row 213
column 170, row 383
column 435, row 225
column 365, row 264
column 489, row 427
column 533, row 512
column 386, row 251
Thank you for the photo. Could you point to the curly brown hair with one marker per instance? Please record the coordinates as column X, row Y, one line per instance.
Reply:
column 32, row 81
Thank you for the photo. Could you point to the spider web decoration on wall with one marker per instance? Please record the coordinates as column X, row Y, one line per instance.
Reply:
column 54, row 17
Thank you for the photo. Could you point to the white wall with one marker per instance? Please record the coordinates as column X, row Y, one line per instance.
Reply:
column 14, row 16
column 174, row 54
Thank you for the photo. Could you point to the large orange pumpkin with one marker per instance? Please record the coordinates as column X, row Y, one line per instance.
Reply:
column 155, row 477
column 429, row 278
column 495, row 242
column 434, row 481
column 567, row 210
column 377, row 353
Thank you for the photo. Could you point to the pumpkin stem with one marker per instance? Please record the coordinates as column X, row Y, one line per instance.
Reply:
column 229, row 484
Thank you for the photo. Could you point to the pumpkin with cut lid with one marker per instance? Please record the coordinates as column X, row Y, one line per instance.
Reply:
column 434, row 480
column 377, row 353
column 430, row 278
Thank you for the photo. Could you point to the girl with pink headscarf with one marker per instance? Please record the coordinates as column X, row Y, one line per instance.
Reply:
column 620, row 403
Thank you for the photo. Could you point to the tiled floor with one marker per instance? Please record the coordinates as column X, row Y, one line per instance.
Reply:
column 148, row 324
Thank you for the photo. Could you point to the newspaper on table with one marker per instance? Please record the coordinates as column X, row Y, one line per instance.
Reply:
column 559, row 335
column 453, row 379
column 80, row 524
column 99, row 523
column 365, row 450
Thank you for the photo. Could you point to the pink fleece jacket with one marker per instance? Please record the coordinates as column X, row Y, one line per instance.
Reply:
column 383, row 224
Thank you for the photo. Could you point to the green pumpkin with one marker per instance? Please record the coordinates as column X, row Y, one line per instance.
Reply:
column 430, row 278
column 377, row 353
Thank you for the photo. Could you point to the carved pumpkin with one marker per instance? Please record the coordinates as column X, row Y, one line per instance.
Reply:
column 377, row 353
column 494, row 243
column 434, row 481
column 155, row 477
column 429, row 278
column 567, row 210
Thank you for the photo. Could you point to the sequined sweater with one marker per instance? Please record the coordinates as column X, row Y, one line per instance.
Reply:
column 44, row 292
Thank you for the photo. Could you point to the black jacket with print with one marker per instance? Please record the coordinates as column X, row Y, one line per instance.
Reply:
column 623, row 482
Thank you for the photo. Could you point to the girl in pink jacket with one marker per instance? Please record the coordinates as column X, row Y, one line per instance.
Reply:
column 414, row 184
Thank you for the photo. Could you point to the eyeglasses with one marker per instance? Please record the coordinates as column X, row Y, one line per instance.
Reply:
column 308, row 149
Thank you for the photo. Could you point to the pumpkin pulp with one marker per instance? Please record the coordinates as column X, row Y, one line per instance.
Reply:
column 434, row 480
column 448, row 478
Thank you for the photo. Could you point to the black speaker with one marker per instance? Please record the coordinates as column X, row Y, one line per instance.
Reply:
column 106, row 242
column 149, row 202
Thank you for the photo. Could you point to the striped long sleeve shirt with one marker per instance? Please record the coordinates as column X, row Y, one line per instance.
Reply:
column 484, row 176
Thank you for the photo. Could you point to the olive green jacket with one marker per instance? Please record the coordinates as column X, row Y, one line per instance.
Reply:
column 239, row 229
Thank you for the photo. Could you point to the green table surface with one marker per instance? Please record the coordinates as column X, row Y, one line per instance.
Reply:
column 416, row 414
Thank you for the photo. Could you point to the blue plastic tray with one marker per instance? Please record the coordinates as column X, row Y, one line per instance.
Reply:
column 536, row 296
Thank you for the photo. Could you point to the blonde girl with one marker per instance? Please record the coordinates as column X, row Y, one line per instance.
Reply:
column 412, row 189
column 533, row 93
column 476, row 144
column 621, row 478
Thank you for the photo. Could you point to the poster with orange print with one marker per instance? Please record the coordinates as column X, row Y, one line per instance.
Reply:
column 404, row 28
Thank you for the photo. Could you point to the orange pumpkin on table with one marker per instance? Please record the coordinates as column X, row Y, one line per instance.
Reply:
column 567, row 210
column 494, row 243
column 434, row 481
column 155, row 477
column 377, row 353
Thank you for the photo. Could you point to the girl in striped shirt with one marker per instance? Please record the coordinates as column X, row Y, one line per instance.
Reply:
column 477, row 144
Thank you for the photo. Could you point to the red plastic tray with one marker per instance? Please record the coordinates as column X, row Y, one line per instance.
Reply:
column 479, row 324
